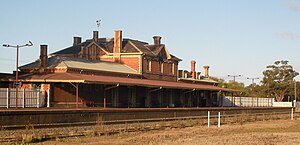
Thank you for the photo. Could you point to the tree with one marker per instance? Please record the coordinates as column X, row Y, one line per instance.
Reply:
column 230, row 84
column 278, row 79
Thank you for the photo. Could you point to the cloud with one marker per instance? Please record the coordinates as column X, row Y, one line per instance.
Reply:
column 287, row 35
column 294, row 5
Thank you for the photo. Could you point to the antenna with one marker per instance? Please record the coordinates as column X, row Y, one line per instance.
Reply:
column 98, row 23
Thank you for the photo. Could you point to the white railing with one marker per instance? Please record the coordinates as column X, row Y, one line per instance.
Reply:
column 282, row 104
column 230, row 101
column 26, row 98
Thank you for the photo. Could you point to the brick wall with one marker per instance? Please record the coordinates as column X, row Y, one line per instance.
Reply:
column 165, row 68
column 154, row 66
column 64, row 93
column 155, row 73
column 26, row 86
column 133, row 62
column 159, row 77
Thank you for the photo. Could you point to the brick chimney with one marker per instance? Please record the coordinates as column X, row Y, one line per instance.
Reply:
column 198, row 75
column 76, row 40
column 193, row 70
column 95, row 36
column 206, row 69
column 117, row 41
column 157, row 40
column 43, row 56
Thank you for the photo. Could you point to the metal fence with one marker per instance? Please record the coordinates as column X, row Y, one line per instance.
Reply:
column 26, row 98
column 230, row 101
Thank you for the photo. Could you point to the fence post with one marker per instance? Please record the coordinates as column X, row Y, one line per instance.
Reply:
column 7, row 98
column 219, row 119
column 208, row 116
column 233, row 101
column 24, row 98
column 48, row 98
column 240, row 101
column 292, row 114
column 38, row 99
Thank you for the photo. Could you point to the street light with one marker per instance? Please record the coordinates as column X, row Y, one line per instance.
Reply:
column 234, row 76
column 252, row 84
column 17, row 61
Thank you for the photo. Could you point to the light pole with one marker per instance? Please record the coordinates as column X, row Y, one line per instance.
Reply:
column 17, row 61
column 252, row 84
column 234, row 76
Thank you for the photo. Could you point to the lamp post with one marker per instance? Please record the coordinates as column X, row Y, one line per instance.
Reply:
column 252, row 84
column 17, row 61
column 234, row 76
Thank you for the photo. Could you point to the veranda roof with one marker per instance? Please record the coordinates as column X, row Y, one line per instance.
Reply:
column 98, row 79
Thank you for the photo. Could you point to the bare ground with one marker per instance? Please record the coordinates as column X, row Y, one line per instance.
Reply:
column 281, row 132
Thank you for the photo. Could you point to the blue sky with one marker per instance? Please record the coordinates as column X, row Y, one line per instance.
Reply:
column 232, row 37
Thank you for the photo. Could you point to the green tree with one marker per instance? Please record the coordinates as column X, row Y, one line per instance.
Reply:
column 230, row 84
column 259, row 91
column 278, row 79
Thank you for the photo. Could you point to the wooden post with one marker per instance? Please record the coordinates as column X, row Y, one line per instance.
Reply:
column 38, row 99
column 24, row 98
column 241, row 102
column 48, row 98
column 104, row 100
column 292, row 114
column 7, row 98
column 219, row 119
column 208, row 118
column 77, row 96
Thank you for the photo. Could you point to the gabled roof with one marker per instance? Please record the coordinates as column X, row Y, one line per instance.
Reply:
column 83, row 64
column 129, row 46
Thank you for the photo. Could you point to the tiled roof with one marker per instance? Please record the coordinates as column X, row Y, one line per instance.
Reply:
column 84, row 64
column 129, row 46
column 72, row 49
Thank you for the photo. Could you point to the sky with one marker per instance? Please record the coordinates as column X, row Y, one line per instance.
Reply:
column 233, row 37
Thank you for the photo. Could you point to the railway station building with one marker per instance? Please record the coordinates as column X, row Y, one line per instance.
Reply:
column 117, row 73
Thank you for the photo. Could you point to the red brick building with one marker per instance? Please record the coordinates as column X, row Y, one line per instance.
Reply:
column 118, row 72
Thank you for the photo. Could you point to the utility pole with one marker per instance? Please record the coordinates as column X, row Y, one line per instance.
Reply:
column 252, row 84
column 234, row 76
